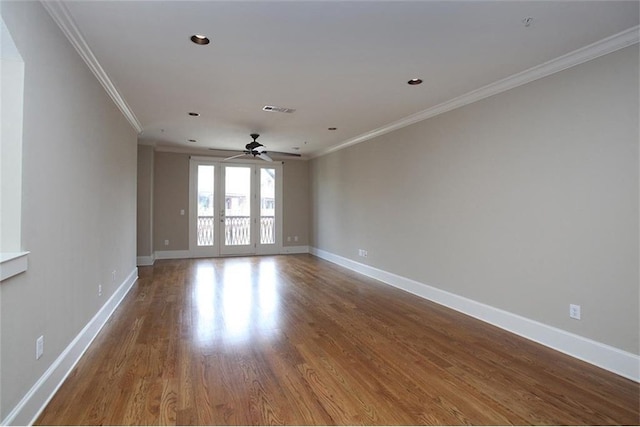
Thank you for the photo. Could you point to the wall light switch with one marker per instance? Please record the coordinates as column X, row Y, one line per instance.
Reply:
column 39, row 347
column 181, row 211
column 574, row 311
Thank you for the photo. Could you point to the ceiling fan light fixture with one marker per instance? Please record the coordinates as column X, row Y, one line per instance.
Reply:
column 255, row 149
column 200, row 39
column 414, row 82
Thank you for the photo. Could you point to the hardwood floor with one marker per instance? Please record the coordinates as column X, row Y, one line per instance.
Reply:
column 297, row 340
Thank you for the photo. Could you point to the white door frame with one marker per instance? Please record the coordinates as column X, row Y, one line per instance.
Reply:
column 275, row 248
column 196, row 251
column 218, row 248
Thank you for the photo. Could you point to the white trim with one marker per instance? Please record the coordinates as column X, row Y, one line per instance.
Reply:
column 577, row 57
column 62, row 17
column 295, row 250
column 178, row 255
column 605, row 356
column 33, row 403
column 12, row 264
column 276, row 247
column 185, row 254
column 145, row 260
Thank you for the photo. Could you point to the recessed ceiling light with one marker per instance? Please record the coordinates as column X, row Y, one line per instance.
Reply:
column 192, row 114
column 200, row 39
column 332, row 128
column 414, row 82
column 527, row 21
column 192, row 140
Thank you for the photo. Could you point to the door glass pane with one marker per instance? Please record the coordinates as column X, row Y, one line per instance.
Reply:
column 267, row 206
column 205, row 222
column 237, row 205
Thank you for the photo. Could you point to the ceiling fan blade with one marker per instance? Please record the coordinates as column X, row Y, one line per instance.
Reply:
column 235, row 157
column 280, row 153
column 222, row 150
column 264, row 156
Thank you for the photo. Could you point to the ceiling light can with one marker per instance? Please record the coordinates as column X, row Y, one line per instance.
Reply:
column 414, row 82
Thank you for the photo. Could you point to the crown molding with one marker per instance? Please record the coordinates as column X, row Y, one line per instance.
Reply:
column 577, row 57
column 62, row 17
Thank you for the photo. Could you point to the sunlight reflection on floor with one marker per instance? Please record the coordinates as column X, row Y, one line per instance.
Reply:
column 223, row 300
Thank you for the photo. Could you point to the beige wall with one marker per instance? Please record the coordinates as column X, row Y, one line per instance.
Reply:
column 295, row 208
column 145, row 201
column 78, row 202
column 171, row 195
column 526, row 201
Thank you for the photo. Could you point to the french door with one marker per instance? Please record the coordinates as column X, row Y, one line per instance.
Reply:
column 235, row 208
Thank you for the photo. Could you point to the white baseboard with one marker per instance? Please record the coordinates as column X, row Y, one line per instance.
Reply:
column 145, row 260
column 295, row 250
column 33, row 403
column 183, row 254
column 602, row 355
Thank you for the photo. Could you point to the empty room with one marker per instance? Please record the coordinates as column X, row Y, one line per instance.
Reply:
column 320, row 213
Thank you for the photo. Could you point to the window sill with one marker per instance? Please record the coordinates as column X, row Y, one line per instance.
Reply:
column 12, row 264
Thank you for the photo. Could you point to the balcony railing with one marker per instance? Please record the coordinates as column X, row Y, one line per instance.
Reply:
column 267, row 230
column 205, row 231
column 237, row 230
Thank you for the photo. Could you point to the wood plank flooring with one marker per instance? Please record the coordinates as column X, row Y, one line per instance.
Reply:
column 296, row 340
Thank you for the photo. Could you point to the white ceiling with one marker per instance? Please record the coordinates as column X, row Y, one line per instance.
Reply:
column 341, row 64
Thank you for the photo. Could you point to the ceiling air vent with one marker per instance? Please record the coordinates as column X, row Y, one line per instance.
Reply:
column 278, row 109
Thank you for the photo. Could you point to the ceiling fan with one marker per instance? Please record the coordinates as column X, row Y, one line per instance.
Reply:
column 255, row 149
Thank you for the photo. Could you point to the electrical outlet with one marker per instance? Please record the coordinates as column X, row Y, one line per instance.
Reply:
column 362, row 253
column 181, row 211
column 288, row 238
column 574, row 311
column 39, row 347
column 295, row 238
column 113, row 276
column 100, row 290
